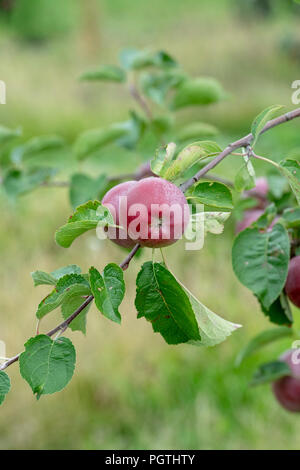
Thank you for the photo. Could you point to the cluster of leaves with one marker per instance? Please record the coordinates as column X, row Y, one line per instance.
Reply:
column 261, row 253
column 48, row 364
column 174, row 312
column 20, row 172
column 155, row 79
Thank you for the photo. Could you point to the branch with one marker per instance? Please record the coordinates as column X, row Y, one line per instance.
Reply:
column 64, row 325
column 219, row 180
column 244, row 142
column 136, row 95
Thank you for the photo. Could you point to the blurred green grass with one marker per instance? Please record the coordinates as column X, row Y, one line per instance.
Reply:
column 131, row 390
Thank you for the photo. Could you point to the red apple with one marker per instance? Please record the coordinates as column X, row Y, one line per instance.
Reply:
column 250, row 216
column 111, row 200
column 287, row 389
column 292, row 286
column 158, row 212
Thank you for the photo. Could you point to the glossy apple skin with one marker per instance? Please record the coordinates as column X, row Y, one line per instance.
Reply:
column 250, row 216
column 113, row 197
column 287, row 389
column 164, row 230
column 292, row 286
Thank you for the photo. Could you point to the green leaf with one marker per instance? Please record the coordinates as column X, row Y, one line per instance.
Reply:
column 108, row 290
column 17, row 182
column 196, row 130
column 134, row 128
column 162, row 124
column 83, row 188
column 212, row 222
column 69, row 269
column 291, row 216
column 213, row 194
column 279, row 311
column 69, row 306
column 157, row 85
column 188, row 157
column 261, row 120
column 249, row 166
column 174, row 312
column 86, row 217
column 264, row 221
column 291, row 169
column 4, row 386
column 110, row 73
column 163, row 302
column 131, row 58
column 286, row 307
column 243, row 179
column 40, row 144
column 41, row 277
column 261, row 340
column 93, row 140
column 270, row 372
column 66, row 287
column 213, row 329
column 47, row 365
column 277, row 184
column 260, row 261
column 164, row 60
column 6, row 134
column 197, row 91
column 163, row 158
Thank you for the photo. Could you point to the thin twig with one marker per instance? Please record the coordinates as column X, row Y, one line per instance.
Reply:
column 264, row 159
column 136, row 95
column 125, row 263
column 244, row 142
column 64, row 325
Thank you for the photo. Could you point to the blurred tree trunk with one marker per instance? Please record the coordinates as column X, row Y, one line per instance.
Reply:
column 91, row 35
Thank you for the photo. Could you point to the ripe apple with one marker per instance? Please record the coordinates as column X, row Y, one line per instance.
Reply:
column 250, row 216
column 292, row 286
column 158, row 212
column 287, row 389
column 111, row 200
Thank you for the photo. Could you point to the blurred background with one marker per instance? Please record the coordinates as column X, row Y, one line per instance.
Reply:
column 130, row 389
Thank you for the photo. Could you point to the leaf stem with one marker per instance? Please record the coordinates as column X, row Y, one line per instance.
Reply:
column 243, row 142
column 267, row 160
